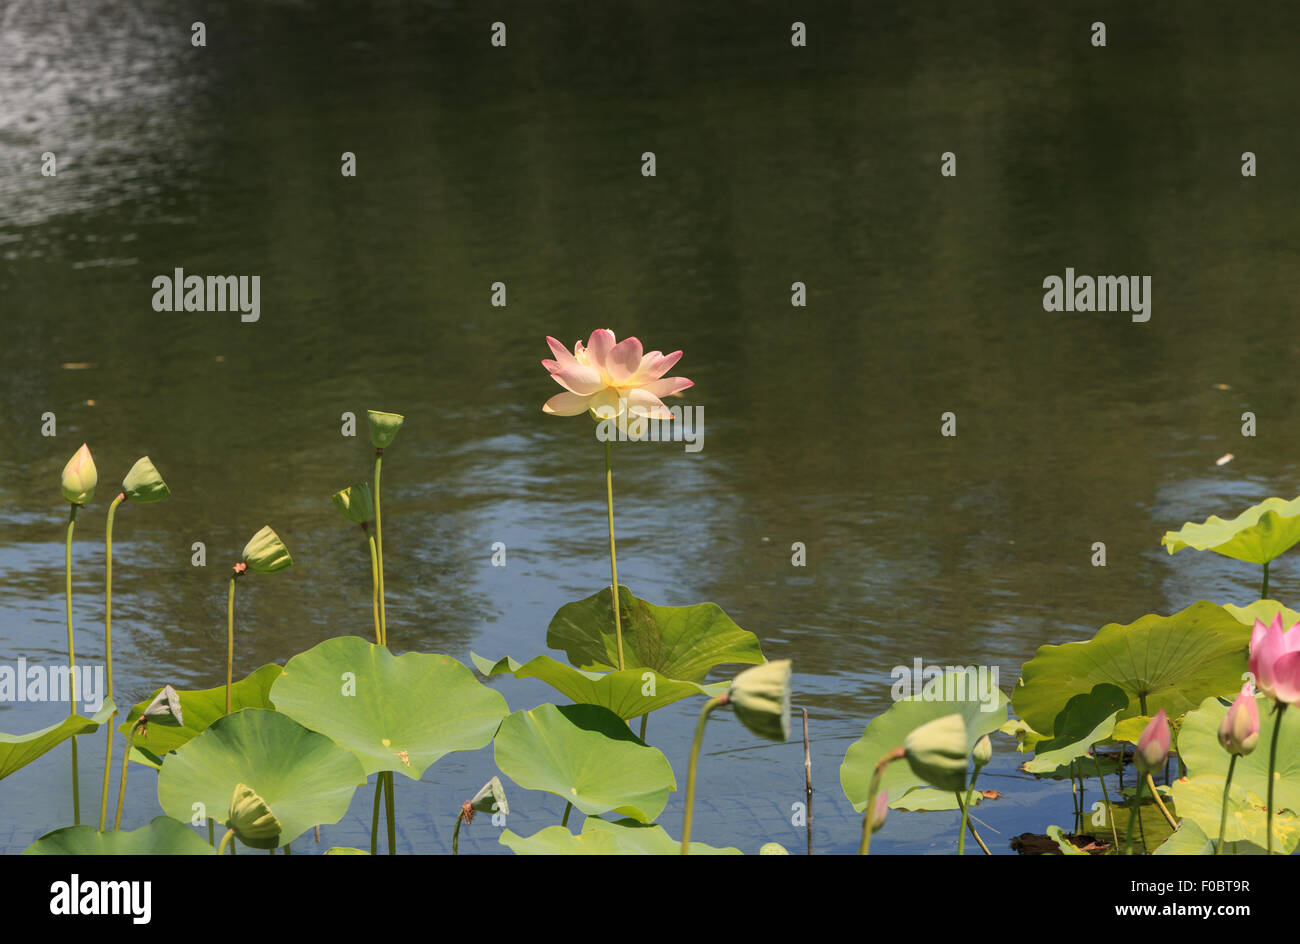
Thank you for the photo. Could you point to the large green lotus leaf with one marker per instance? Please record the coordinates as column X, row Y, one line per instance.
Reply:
column 586, row 755
column 304, row 777
column 1173, row 662
column 198, row 710
column 1200, row 799
column 600, row 837
column 931, row 800
column 1257, row 535
column 620, row 692
column 163, row 836
column 19, row 750
column 888, row 731
column 398, row 713
column 678, row 642
column 1086, row 719
column 1263, row 610
column 1187, row 839
column 1198, row 746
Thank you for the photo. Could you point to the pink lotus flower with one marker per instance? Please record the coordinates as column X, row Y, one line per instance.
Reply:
column 1153, row 746
column 1275, row 660
column 610, row 378
column 1239, row 731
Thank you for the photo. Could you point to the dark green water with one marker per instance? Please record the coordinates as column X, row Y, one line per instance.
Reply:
column 522, row 165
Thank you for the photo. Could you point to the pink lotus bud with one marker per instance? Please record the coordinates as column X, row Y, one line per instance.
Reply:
column 1240, row 728
column 879, row 810
column 1153, row 746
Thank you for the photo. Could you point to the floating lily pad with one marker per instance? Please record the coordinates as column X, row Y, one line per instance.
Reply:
column 600, row 837
column 1257, row 535
column 303, row 776
column 1200, row 799
column 1263, row 610
column 163, row 836
column 620, row 692
column 889, row 730
column 1173, row 662
column 585, row 755
column 1086, row 719
column 398, row 713
column 198, row 710
column 678, row 642
column 1062, row 844
column 930, row 800
column 1198, row 746
column 346, row 850
column 19, row 750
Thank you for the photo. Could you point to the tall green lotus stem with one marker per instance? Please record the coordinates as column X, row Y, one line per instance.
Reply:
column 379, row 552
column 1223, row 817
column 108, row 651
column 568, row 808
column 226, row 840
column 121, row 786
column 374, row 583
column 613, row 558
column 1263, row 590
column 715, row 702
column 644, row 718
column 389, row 813
column 374, row 819
column 1110, row 812
column 1272, row 766
column 1133, row 815
column 240, row 568
column 455, row 835
column 1160, row 804
column 965, row 811
column 867, row 825
column 72, row 661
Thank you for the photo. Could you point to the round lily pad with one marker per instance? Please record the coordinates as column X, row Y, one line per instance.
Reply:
column 163, row 836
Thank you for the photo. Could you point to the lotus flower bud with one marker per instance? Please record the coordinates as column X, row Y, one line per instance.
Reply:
column 356, row 503
column 165, row 709
column 879, row 810
column 938, row 752
column 773, row 848
column 252, row 820
column 761, row 699
column 983, row 752
column 1153, row 746
column 1239, row 731
column 384, row 427
column 80, row 477
column 143, row 483
column 491, row 799
column 266, row 553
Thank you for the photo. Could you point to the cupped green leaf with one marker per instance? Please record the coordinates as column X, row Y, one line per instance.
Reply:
column 398, row 713
column 628, row 694
column 1263, row 610
column 930, row 800
column 1170, row 662
column 1257, row 535
column 163, row 836
column 600, row 837
column 678, row 642
column 1086, row 719
column 951, row 692
column 1187, row 839
column 303, row 776
column 1199, row 748
column 198, row 710
column 19, row 750
column 585, row 755
column 1200, row 799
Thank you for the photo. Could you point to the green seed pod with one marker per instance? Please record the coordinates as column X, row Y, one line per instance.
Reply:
column 491, row 799
column 252, row 820
column 266, row 553
column 384, row 427
column 80, row 477
column 356, row 503
column 938, row 752
column 143, row 483
column 761, row 699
